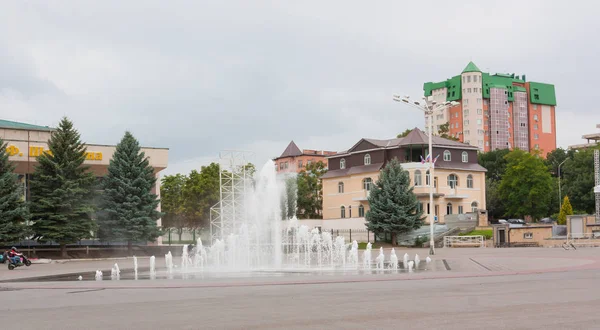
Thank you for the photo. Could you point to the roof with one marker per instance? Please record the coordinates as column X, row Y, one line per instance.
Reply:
column 471, row 67
column 17, row 125
column 461, row 166
column 292, row 150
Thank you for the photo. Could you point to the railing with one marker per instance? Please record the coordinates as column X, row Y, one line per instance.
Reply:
column 584, row 239
column 464, row 241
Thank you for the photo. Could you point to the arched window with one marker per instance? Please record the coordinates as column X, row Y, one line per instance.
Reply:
column 427, row 178
column 449, row 208
column 342, row 212
column 474, row 206
column 367, row 183
column 367, row 159
column 465, row 157
column 342, row 164
column 340, row 188
column 469, row 181
column 350, row 211
column 418, row 178
column 361, row 211
column 452, row 181
column 447, row 156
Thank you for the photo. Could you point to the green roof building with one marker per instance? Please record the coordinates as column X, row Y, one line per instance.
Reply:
column 497, row 111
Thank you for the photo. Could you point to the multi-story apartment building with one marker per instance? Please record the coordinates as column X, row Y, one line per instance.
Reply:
column 459, row 180
column 497, row 111
column 294, row 160
column 592, row 140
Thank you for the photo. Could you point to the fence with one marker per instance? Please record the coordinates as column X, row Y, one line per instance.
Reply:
column 359, row 235
column 464, row 241
column 584, row 239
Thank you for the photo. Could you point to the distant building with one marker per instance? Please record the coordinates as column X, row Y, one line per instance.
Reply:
column 294, row 160
column 459, row 182
column 497, row 111
column 593, row 140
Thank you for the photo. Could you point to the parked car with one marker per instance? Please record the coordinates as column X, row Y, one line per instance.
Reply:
column 517, row 222
column 546, row 220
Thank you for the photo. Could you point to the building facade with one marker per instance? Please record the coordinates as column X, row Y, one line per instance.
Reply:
column 295, row 160
column 592, row 140
column 459, row 181
column 26, row 142
column 497, row 111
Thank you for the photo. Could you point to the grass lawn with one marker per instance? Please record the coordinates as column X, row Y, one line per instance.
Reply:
column 485, row 233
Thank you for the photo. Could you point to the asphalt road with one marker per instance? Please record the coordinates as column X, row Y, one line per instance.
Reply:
column 559, row 300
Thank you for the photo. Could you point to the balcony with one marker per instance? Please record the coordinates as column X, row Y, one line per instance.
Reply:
column 363, row 197
column 454, row 194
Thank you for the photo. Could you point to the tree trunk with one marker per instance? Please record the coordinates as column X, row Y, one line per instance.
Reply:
column 180, row 233
column 394, row 241
column 63, row 251
column 129, row 248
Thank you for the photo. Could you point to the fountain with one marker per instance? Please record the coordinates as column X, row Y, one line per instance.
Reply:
column 135, row 267
column 410, row 265
column 98, row 275
column 405, row 261
column 367, row 257
column 185, row 258
column 115, row 272
column 152, row 267
column 169, row 262
column 353, row 256
column 380, row 259
column 417, row 261
column 427, row 260
column 393, row 260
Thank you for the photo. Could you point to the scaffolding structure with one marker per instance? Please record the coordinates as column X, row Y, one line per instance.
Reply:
column 234, row 182
column 597, row 182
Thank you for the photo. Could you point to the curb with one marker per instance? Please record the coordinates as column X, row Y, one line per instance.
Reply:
column 62, row 261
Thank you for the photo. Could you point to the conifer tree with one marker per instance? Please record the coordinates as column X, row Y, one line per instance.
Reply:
column 128, row 204
column 13, row 209
column 62, row 190
column 394, row 208
column 566, row 209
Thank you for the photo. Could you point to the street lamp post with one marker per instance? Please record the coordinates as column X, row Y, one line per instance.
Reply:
column 429, row 107
column 559, row 188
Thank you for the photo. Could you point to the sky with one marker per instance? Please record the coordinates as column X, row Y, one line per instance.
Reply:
column 199, row 77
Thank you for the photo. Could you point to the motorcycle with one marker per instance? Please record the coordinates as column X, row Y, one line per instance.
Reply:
column 24, row 261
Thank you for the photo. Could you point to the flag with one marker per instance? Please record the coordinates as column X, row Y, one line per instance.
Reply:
column 436, row 157
column 422, row 160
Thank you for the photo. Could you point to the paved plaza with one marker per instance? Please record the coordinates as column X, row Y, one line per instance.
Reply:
column 520, row 288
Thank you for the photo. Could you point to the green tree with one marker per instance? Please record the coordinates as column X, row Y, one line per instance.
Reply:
column 62, row 190
column 200, row 193
column 310, row 191
column 554, row 159
column 495, row 204
column 172, row 202
column 129, row 208
column 403, row 134
column 13, row 209
column 565, row 210
column 495, row 162
column 526, row 185
column 577, row 180
column 394, row 206
column 444, row 132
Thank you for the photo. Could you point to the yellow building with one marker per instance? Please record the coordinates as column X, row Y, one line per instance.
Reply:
column 26, row 142
column 459, row 182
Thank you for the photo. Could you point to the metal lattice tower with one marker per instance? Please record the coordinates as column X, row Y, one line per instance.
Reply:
column 597, row 182
column 234, row 181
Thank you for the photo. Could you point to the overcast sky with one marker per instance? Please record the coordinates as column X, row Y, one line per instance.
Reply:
column 201, row 76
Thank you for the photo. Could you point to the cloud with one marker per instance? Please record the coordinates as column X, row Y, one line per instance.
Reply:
column 200, row 77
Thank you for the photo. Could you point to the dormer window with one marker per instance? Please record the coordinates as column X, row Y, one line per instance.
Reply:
column 342, row 164
column 447, row 156
column 465, row 157
column 367, row 159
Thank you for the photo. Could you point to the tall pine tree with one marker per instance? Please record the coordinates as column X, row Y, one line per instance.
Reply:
column 13, row 210
column 394, row 208
column 128, row 204
column 62, row 190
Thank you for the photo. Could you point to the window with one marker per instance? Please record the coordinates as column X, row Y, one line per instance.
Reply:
column 536, row 146
column 474, row 206
column 460, row 209
column 535, row 117
column 281, row 166
column 447, row 156
column 480, row 131
column 350, row 211
column 469, row 181
column 468, row 90
column 361, row 211
column 468, row 79
column 466, row 123
column 449, row 208
column 299, row 164
column 427, row 179
column 479, row 122
column 342, row 163
column 437, row 210
column 340, row 188
column 419, row 207
column 465, row 157
column 528, row 235
column 466, row 112
column 536, row 136
column 479, row 111
column 535, row 126
column 474, row 78
column 308, row 162
column 367, row 159
column 535, row 107
column 452, row 181
column 418, row 178
column 286, row 165
column 342, row 212
column 466, row 101
column 367, row 183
